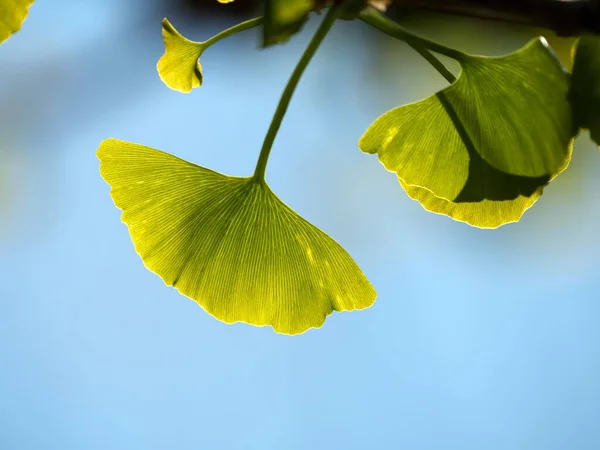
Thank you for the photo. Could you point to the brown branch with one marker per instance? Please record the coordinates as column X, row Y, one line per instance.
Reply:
column 565, row 17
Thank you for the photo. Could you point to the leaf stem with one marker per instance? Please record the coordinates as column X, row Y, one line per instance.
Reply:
column 284, row 101
column 379, row 21
column 233, row 30
column 432, row 59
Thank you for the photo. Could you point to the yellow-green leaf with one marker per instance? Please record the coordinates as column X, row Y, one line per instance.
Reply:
column 502, row 130
column 12, row 15
column 179, row 67
column 483, row 214
column 229, row 243
column 585, row 85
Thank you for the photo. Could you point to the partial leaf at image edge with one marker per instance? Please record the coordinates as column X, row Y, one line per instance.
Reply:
column 12, row 15
column 284, row 18
column 229, row 243
column 585, row 85
column 508, row 117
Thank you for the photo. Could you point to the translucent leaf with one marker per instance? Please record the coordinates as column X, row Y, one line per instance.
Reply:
column 284, row 18
column 501, row 131
column 482, row 214
column 229, row 243
column 179, row 67
column 12, row 15
column 585, row 85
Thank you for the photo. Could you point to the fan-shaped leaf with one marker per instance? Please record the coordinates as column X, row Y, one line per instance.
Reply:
column 12, row 15
column 499, row 132
column 179, row 67
column 585, row 85
column 229, row 243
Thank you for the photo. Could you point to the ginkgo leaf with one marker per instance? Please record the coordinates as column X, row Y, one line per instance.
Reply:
column 500, row 131
column 284, row 18
column 179, row 67
column 585, row 85
column 481, row 214
column 229, row 243
column 12, row 15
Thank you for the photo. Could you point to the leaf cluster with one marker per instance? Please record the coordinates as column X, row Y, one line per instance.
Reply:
column 480, row 151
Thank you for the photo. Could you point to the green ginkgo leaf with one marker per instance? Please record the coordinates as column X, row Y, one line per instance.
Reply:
column 481, row 214
column 585, row 85
column 284, row 18
column 179, row 67
column 500, row 131
column 229, row 243
column 12, row 15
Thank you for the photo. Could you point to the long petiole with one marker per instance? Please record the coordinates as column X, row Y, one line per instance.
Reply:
column 317, row 39
column 379, row 21
column 233, row 30
column 432, row 59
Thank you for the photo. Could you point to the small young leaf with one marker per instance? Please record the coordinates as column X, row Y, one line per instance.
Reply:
column 585, row 85
column 179, row 68
column 284, row 18
column 12, row 15
column 229, row 243
column 499, row 132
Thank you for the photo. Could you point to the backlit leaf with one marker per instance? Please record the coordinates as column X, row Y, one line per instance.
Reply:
column 585, row 85
column 482, row 214
column 179, row 67
column 501, row 131
column 12, row 15
column 229, row 243
column 284, row 18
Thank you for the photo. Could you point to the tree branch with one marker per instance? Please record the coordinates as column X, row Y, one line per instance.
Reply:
column 565, row 17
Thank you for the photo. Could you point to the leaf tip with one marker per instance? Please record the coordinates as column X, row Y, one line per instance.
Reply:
column 101, row 150
column 14, row 14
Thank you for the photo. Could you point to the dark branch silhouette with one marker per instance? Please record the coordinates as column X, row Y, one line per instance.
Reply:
column 565, row 17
